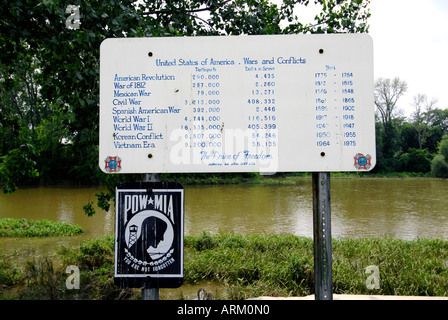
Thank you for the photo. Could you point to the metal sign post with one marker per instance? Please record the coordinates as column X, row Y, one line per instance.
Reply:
column 148, row 292
column 322, row 236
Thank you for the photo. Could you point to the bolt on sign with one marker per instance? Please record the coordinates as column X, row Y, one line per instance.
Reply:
column 270, row 103
column 149, row 231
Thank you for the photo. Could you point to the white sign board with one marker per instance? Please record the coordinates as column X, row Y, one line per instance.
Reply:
column 277, row 103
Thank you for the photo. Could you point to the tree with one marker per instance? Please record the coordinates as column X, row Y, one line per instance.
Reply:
column 439, row 118
column 421, row 115
column 387, row 92
column 443, row 147
column 409, row 137
column 50, row 74
column 416, row 160
column 439, row 165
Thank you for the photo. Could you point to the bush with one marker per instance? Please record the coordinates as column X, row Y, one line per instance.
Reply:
column 91, row 254
column 10, row 227
column 43, row 281
column 416, row 160
column 439, row 167
column 248, row 266
column 95, row 259
column 443, row 147
column 204, row 242
column 10, row 273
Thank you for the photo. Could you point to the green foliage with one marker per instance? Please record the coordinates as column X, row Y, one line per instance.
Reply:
column 10, row 227
column 443, row 147
column 91, row 254
column 17, row 166
column 406, row 145
column 211, row 178
column 95, row 259
column 42, row 281
column 104, row 200
column 282, row 265
column 416, row 160
column 88, row 209
column 10, row 272
column 253, row 265
column 248, row 266
column 439, row 165
column 203, row 242
column 406, row 267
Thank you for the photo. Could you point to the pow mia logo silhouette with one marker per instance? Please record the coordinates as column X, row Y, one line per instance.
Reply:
column 149, row 234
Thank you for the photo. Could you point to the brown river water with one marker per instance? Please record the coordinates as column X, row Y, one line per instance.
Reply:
column 362, row 207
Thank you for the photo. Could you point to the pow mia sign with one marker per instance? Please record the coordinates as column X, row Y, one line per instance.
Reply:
column 149, row 232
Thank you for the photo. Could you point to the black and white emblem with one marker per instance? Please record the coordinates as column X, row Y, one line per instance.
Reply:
column 149, row 234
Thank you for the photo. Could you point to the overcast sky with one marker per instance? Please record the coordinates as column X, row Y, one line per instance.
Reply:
column 410, row 40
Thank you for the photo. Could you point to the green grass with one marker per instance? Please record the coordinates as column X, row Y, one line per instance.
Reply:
column 252, row 265
column 10, row 227
column 282, row 265
column 10, row 273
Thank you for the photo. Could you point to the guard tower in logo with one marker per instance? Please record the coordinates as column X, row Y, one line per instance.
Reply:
column 132, row 234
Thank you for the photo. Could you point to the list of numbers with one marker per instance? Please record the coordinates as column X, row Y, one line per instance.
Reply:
column 334, row 108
